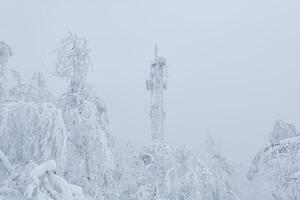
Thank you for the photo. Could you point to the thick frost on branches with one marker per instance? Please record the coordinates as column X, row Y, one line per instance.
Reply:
column 281, row 156
column 37, row 91
column 5, row 54
column 159, row 173
column 73, row 131
column 29, row 181
column 152, row 174
column 195, row 180
column 43, row 136
column 90, row 154
column 90, row 146
column 222, row 171
column 160, row 167
column 9, row 78
column 278, row 164
column 282, row 130
column 30, row 131
column 73, row 60
column 11, row 86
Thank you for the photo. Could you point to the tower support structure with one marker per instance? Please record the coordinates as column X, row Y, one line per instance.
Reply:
column 157, row 84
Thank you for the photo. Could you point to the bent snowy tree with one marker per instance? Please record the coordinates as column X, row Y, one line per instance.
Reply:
column 32, row 131
column 278, row 163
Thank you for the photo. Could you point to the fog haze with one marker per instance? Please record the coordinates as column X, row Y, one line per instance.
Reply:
column 234, row 65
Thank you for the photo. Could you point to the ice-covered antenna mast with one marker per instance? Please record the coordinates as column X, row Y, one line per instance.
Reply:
column 155, row 51
column 156, row 85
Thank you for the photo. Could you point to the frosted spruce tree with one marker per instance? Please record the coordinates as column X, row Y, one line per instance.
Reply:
column 130, row 164
column 30, row 129
column 38, row 91
column 149, row 174
column 222, row 171
column 195, row 179
column 277, row 164
column 90, row 146
column 11, row 86
column 9, row 78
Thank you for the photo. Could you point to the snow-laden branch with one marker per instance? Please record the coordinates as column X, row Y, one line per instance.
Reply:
column 40, row 170
column 278, row 163
column 8, row 166
column 47, row 169
column 272, row 155
column 40, row 182
column 32, row 131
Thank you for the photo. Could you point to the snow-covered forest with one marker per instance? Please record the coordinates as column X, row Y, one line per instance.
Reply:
column 175, row 101
column 62, row 148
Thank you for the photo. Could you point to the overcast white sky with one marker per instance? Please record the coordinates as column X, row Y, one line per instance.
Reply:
column 234, row 64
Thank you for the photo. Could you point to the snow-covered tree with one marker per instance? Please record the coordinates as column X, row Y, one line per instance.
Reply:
column 160, row 166
column 11, row 86
column 277, row 164
column 91, row 160
column 30, row 128
column 44, row 137
column 195, row 180
column 38, row 90
column 32, row 131
column 30, row 181
column 282, row 130
column 149, row 174
column 129, row 166
column 73, row 60
column 130, row 172
column 156, row 172
column 9, row 78
column 5, row 54
column 222, row 171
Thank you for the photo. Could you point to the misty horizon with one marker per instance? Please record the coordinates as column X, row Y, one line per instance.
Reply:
column 233, row 66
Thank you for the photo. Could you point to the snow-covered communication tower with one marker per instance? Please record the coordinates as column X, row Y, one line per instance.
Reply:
column 156, row 85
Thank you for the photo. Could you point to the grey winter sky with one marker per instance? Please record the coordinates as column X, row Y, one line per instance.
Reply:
column 234, row 64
